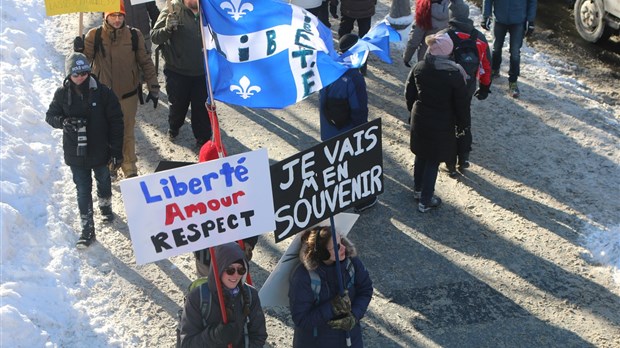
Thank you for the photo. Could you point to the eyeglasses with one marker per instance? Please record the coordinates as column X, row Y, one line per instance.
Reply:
column 231, row 270
column 79, row 74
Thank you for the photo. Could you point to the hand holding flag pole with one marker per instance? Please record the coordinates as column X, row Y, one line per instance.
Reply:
column 338, row 272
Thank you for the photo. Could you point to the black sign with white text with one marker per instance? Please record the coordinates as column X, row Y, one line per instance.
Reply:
column 327, row 179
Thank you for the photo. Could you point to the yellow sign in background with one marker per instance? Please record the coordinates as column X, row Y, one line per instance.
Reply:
column 56, row 7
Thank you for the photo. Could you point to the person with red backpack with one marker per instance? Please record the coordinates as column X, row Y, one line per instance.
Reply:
column 471, row 51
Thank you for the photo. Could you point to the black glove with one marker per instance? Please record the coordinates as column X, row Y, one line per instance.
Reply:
column 486, row 23
column 78, row 44
column 407, row 64
column 529, row 28
column 227, row 333
column 154, row 96
column 71, row 124
column 172, row 22
column 333, row 9
column 115, row 163
column 341, row 305
column 347, row 323
column 483, row 92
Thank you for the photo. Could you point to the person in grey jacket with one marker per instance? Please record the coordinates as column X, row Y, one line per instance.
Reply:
column 517, row 18
column 90, row 116
column 431, row 16
column 245, row 325
column 178, row 30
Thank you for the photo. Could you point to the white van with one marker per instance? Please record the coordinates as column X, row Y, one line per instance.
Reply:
column 597, row 20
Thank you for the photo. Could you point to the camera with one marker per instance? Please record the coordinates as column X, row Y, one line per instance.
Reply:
column 82, row 139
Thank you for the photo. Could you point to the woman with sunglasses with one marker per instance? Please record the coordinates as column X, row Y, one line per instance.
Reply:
column 92, row 121
column 246, row 321
column 323, row 319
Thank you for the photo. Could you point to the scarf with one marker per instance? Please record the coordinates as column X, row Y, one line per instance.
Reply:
column 447, row 64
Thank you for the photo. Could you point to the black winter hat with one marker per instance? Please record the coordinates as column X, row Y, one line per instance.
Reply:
column 76, row 63
column 347, row 41
column 458, row 10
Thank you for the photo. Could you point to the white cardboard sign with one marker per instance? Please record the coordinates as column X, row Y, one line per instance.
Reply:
column 199, row 206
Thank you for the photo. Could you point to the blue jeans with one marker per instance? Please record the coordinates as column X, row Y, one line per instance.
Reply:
column 84, row 185
column 517, row 32
column 424, row 177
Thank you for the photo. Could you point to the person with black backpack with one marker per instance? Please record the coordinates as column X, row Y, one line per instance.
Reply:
column 343, row 105
column 117, row 54
column 201, row 323
column 471, row 51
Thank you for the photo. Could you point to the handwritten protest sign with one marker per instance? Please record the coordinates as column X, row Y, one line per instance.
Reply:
column 327, row 179
column 56, row 7
column 199, row 206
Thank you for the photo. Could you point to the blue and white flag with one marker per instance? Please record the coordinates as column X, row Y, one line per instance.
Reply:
column 265, row 53
column 377, row 40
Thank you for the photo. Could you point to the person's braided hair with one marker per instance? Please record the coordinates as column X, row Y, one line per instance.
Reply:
column 246, row 298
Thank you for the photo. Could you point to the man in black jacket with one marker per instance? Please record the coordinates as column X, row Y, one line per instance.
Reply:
column 90, row 116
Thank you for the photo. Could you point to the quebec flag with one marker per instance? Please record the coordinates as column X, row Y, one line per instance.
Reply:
column 265, row 53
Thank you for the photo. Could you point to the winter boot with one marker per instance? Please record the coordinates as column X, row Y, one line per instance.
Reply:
column 450, row 168
column 105, row 207
column 463, row 161
column 88, row 232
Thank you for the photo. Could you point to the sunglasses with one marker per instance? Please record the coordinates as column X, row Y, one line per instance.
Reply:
column 79, row 74
column 231, row 270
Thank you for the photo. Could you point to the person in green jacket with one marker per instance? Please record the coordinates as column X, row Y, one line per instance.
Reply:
column 177, row 30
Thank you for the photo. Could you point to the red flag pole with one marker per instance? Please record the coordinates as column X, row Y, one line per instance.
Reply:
column 220, row 149
column 218, row 285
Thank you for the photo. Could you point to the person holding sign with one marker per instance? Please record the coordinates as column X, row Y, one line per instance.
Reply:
column 178, row 34
column 343, row 105
column 90, row 116
column 437, row 98
column 245, row 321
column 322, row 317
column 118, row 54
column 203, row 257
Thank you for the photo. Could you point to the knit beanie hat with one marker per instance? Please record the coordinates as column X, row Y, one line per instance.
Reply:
column 122, row 10
column 76, row 63
column 458, row 10
column 440, row 44
column 347, row 41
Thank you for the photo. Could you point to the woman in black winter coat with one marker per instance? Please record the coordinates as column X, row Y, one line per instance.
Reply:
column 92, row 121
column 437, row 97
column 323, row 319
column 246, row 321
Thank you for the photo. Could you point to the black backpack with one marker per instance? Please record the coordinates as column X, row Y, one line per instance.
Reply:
column 99, row 42
column 466, row 52
column 337, row 110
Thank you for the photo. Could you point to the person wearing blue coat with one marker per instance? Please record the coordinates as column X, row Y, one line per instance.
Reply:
column 517, row 18
column 324, row 321
column 343, row 105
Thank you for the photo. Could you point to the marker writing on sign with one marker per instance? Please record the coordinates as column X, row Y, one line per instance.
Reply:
column 171, row 187
column 194, row 232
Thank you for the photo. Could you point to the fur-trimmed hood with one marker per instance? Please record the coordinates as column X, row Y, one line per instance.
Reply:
column 311, row 264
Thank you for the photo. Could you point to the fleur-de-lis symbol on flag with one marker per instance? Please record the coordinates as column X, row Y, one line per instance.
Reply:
column 236, row 9
column 244, row 89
